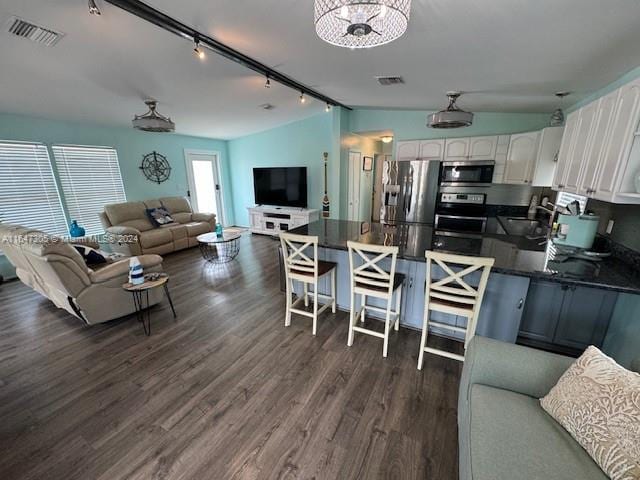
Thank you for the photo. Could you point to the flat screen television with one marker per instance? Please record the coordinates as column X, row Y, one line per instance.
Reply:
column 281, row 186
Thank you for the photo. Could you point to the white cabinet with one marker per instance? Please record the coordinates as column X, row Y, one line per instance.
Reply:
column 408, row 150
column 605, row 110
column 470, row 148
column 431, row 149
column 565, row 150
column 424, row 149
column 483, row 148
column 456, row 149
column 600, row 152
column 521, row 158
column 547, row 158
column 616, row 173
column 581, row 141
column 273, row 220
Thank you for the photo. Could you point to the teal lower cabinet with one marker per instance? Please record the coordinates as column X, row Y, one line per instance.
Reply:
column 566, row 318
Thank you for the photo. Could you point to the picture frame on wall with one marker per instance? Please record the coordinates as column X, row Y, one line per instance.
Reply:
column 367, row 164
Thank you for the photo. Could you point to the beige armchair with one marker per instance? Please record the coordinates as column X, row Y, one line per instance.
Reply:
column 56, row 270
column 130, row 231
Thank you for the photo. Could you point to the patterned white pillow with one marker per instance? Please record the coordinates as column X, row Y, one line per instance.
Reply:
column 598, row 402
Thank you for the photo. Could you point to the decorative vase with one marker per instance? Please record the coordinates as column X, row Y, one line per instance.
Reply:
column 636, row 181
column 218, row 230
column 136, row 275
column 76, row 230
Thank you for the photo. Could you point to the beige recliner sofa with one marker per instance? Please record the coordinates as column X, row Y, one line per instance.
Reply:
column 55, row 269
column 132, row 233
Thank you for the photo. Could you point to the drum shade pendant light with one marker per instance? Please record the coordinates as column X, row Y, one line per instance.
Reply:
column 152, row 121
column 452, row 116
column 361, row 23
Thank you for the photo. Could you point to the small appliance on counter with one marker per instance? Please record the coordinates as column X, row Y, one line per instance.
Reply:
column 577, row 230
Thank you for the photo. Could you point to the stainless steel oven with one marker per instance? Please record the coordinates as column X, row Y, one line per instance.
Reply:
column 461, row 213
column 467, row 174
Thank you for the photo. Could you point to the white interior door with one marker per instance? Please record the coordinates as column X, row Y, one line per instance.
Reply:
column 355, row 167
column 203, row 175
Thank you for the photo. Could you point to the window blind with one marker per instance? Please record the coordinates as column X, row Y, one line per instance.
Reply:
column 28, row 192
column 90, row 178
column 565, row 198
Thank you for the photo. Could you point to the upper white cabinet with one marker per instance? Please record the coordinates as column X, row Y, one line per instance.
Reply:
column 565, row 150
column 580, row 146
column 432, row 149
column 616, row 171
column 456, row 149
column 605, row 110
column 547, row 156
column 424, row 149
column 600, row 152
column 408, row 150
column 483, row 148
column 470, row 148
column 521, row 158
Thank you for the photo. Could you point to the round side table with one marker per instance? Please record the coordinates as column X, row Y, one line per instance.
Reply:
column 141, row 298
column 217, row 249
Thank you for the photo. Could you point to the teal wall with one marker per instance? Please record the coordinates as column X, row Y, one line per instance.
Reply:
column 626, row 78
column 411, row 124
column 299, row 144
column 130, row 145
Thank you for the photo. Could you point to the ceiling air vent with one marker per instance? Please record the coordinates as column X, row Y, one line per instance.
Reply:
column 390, row 80
column 33, row 32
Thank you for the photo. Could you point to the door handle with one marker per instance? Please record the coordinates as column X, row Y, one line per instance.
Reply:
column 520, row 303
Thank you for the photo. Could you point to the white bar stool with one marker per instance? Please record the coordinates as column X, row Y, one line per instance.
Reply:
column 299, row 266
column 453, row 295
column 369, row 279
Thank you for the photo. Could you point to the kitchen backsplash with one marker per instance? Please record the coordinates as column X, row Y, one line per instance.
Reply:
column 626, row 229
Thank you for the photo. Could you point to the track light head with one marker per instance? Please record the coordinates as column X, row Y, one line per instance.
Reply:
column 93, row 8
column 199, row 52
column 303, row 99
column 267, row 84
column 327, row 108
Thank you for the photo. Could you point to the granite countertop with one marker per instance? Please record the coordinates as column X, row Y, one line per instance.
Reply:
column 515, row 255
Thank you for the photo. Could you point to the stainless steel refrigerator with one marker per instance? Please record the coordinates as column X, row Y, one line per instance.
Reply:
column 409, row 191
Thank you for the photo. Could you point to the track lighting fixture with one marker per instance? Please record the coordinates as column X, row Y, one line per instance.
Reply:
column 267, row 84
column 199, row 52
column 93, row 8
column 327, row 108
column 302, row 97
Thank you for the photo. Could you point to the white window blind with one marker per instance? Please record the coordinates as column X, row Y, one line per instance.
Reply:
column 90, row 178
column 28, row 192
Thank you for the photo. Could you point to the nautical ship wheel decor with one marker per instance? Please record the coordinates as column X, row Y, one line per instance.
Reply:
column 155, row 167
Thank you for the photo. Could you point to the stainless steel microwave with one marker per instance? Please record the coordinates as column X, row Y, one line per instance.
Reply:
column 467, row 174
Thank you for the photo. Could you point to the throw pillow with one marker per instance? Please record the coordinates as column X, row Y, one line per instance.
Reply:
column 598, row 402
column 90, row 255
column 160, row 216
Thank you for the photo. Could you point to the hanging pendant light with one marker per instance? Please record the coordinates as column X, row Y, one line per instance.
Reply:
column 557, row 117
column 452, row 116
column 153, row 121
column 361, row 23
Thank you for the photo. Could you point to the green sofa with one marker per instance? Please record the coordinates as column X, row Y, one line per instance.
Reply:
column 503, row 432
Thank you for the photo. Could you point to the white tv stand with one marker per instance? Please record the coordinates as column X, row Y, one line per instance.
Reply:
column 273, row 220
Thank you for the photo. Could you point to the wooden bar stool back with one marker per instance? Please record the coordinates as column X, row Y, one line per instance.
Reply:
column 298, row 265
column 369, row 279
column 454, row 295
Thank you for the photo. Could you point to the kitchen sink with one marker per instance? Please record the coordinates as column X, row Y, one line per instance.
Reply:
column 524, row 227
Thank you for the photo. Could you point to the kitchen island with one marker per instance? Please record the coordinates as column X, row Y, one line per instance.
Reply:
column 522, row 301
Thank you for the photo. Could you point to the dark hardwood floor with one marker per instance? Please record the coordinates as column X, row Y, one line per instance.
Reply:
column 224, row 392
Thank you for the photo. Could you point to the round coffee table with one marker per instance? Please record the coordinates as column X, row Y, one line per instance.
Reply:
column 217, row 249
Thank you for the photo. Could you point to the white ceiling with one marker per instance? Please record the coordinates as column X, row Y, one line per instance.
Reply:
column 510, row 54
